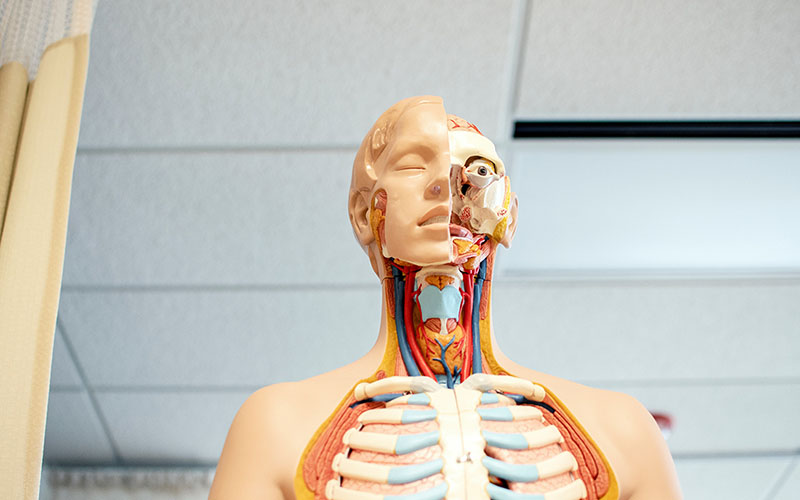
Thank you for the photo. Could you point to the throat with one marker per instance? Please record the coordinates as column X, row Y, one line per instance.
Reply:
column 437, row 320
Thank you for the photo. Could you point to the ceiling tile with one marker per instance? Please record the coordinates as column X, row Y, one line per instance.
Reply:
column 790, row 484
column 170, row 427
column 220, row 219
column 73, row 434
column 219, row 339
column 667, row 58
column 286, row 73
column 657, row 330
column 650, row 331
column 727, row 478
column 725, row 419
column 63, row 373
column 660, row 205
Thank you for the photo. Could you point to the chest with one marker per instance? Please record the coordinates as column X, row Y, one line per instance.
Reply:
column 407, row 438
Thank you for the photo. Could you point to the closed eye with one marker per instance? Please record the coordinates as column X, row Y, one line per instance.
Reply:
column 411, row 168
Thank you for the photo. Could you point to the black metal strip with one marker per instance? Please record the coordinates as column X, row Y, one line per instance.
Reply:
column 647, row 129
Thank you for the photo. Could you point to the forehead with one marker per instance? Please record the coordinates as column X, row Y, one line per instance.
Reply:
column 421, row 129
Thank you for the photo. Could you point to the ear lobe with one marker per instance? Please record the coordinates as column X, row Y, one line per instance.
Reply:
column 512, row 226
column 358, row 206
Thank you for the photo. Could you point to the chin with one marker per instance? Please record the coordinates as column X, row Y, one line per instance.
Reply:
column 425, row 253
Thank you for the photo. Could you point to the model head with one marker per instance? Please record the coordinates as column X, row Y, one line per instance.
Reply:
column 427, row 186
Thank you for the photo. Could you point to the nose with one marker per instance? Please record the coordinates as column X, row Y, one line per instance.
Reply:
column 439, row 186
column 438, row 189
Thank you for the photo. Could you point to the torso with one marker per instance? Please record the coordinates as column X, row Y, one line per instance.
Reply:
column 591, row 407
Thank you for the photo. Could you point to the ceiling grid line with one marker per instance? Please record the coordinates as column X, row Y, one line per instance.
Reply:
column 782, row 478
column 219, row 148
column 514, row 58
column 90, row 392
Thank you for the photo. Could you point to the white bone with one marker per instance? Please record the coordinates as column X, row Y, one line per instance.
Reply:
column 573, row 491
column 382, row 416
column 543, row 437
column 485, row 382
column 370, row 441
column 559, row 464
column 390, row 385
column 354, row 469
column 334, row 491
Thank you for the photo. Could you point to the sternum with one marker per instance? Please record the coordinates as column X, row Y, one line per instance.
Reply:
column 462, row 443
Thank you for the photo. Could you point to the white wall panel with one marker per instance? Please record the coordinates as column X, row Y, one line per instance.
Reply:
column 665, row 205
column 729, row 478
column 170, row 427
column 73, row 433
column 665, row 58
column 218, row 338
column 285, row 73
column 213, row 218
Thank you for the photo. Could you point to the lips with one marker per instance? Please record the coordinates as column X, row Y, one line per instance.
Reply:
column 438, row 219
column 437, row 215
column 459, row 231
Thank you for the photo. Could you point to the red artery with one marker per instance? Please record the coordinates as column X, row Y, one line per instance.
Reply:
column 466, row 321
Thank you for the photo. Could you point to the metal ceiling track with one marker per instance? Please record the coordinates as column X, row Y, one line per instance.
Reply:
column 658, row 129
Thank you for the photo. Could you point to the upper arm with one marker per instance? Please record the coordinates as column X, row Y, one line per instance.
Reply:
column 652, row 471
column 246, row 470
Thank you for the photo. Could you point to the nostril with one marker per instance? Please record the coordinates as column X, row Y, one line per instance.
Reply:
column 436, row 190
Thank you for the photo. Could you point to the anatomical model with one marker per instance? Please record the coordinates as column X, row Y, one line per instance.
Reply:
column 434, row 410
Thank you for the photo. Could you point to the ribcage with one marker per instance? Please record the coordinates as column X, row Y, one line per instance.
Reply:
column 471, row 442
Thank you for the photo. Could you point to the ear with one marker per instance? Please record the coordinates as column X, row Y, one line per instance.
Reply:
column 512, row 225
column 358, row 206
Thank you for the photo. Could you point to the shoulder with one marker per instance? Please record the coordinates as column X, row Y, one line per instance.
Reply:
column 270, row 432
column 249, row 466
column 639, row 452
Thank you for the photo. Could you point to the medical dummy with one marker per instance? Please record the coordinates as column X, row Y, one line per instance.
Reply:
column 435, row 410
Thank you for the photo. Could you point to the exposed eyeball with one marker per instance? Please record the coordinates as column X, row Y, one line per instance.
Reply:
column 480, row 173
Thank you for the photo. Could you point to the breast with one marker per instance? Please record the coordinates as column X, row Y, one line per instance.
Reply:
column 476, row 441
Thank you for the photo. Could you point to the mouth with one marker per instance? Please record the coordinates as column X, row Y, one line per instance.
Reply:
column 438, row 219
column 438, row 215
column 460, row 231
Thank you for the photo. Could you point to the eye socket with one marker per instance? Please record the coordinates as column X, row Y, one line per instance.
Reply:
column 482, row 170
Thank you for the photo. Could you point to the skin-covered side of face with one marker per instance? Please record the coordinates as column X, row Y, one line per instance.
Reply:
column 414, row 171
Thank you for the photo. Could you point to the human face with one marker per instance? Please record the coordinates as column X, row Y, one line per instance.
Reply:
column 414, row 172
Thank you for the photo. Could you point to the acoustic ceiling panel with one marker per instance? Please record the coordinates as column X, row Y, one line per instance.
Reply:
column 286, row 73
column 661, row 59
column 716, row 418
column 253, row 218
column 74, row 434
column 170, row 427
column 660, row 330
column 223, row 338
column 63, row 372
column 728, row 478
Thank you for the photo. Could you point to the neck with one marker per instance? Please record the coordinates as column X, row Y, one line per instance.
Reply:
column 437, row 320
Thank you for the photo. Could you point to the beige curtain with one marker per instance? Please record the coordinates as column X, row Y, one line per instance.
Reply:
column 39, row 122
